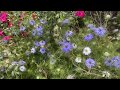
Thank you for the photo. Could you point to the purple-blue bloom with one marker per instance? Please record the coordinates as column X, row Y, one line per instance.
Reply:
column 21, row 62
column 100, row 31
column 91, row 26
column 42, row 50
column 39, row 28
column 32, row 22
column 39, row 33
column 66, row 21
column 14, row 63
column 117, row 64
column 42, row 43
column 22, row 28
column 67, row 47
column 90, row 63
column 43, row 21
column 69, row 33
column 88, row 37
column 36, row 43
column 34, row 32
column 116, row 61
column 108, row 62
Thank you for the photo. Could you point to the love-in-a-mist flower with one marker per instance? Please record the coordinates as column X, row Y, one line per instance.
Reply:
column 33, row 50
column 32, row 22
column 116, row 61
column 43, row 21
column 86, row 51
column 80, row 14
column 91, row 26
column 14, row 63
column 34, row 32
column 21, row 62
column 105, row 74
column 90, row 63
column 100, row 31
column 67, row 47
column 108, row 62
column 70, row 77
column 36, row 43
column 22, row 28
column 3, row 17
column 39, row 28
column 42, row 43
column 66, row 21
column 78, row 59
column 88, row 37
column 42, row 50
column 22, row 68
column 68, row 33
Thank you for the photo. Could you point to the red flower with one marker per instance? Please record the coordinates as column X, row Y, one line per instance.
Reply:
column 80, row 14
column 9, row 24
column 3, row 17
column 1, row 33
column 6, row 38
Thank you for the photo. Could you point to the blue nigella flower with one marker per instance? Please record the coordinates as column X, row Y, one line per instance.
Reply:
column 42, row 50
column 42, row 43
column 108, row 62
column 91, row 26
column 100, row 31
column 36, row 43
column 66, row 21
column 66, row 47
column 69, row 33
column 34, row 32
column 22, row 28
column 43, row 21
column 21, row 62
column 88, row 37
column 32, row 22
column 39, row 28
column 90, row 63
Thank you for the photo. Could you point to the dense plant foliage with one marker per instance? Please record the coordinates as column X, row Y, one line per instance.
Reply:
column 59, row 45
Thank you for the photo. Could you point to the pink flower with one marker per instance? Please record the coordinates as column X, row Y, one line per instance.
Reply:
column 1, row 33
column 6, row 38
column 3, row 17
column 80, row 14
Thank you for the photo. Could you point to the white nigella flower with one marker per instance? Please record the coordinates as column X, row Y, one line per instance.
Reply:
column 78, row 60
column 33, row 50
column 106, row 54
column 68, row 39
column 52, row 61
column 74, row 45
column 70, row 77
column 105, row 74
column 22, row 68
column 108, row 16
column 86, row 51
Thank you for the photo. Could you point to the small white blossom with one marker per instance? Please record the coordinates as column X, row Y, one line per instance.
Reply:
column 86, row 51
column 107, row 16
column 78, row 60
column 70, row 77
column 74, row 45
column 33, row 50
column 105, row 74
column 22, row 68
column 106, row 54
